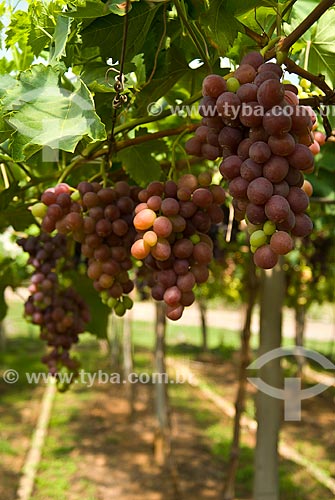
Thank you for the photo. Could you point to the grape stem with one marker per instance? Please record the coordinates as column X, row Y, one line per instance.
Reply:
column 318, row 80
column 287, row 42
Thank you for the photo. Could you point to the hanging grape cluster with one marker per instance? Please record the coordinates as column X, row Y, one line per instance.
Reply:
column 172, row 221
column 59, row 311
column 101, row 219
column 255, row 123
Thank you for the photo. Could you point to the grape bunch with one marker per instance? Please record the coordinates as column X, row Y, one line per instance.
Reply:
column 101, row 219
column 59, row 311
column 255, row 123
column 172, row 222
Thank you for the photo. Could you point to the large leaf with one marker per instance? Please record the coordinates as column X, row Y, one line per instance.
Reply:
column 322, row 50
column 221, row 25
column 17, row 216
column 59, row 39
column 43, row 113
column 99, row 311
column 88, row 9
column 107, row 32
column 140, row 164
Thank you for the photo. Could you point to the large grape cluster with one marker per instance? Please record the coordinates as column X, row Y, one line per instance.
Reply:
column 255, row 123
column 173, row 221
column 59, row 311
column 101, row 220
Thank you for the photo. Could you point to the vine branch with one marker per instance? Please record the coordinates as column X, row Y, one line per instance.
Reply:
column 314, row 16
column 318, row 80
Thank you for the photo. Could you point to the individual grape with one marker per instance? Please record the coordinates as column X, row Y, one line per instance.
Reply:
column 166, row 277
column 253, row 58
column 294, row 177
column 245, row 73
column 174, row 312
column 264, row 77
column 201, row 133
column 219, row 194
column 73, row 221
column 213, row 86
column 265, row 257
column 162, row 227
column 210, row 152
column 212, row 138
column 283, row 145
column 204, row 179
column 251, row 114
column 301, row 120
column 202, row 197
column 172, row 296
column 291, row 97
column 281, row 243
column 282, row 188
column 230, row 167
column 258, row 238
column 250, row 170
column 202, row 253
column 277, row 208
column 230, row 138
column 90, row 199
column 216, row 214
column 314, row 148
column 187, row 298
column 270, row 93
column 150, row 237
column 228, row 105
column 169, row 207
column 207, row 107
column 183, row 248
column 255, row 213
column 291, row 88
column 269, row 227
column 40, row 209
column 232, row 84
column 301, row 157
column 140, row 249
column 276, row 169
column 259, row 152
column 120, row 227
column 162, row 250
column 259, row 191
column 258, row 134
column 243, row 149
column 308, row 188
column 193, row 146
column 238, row 187
column 320, row 137
column 270, row 66
column 186, row 282
column 247, row 92
column 144, row 219
column 303, row 226
column 277, row 122
column 297, row 199
column 103, row 227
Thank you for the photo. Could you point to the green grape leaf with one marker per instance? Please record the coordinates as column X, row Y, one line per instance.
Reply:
column 220, row 25
column 321, row 58
column 17, row 216
column 59, row 38
column 140, row 164
column 107, row 32
column 99, row 311
column 325, row 159
column 43, row 113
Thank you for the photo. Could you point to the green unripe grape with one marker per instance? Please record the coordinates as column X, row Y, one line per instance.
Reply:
column 127, row 302
column 195, row 238
column 253, row 227
column 258, row 238
column 233, row 84
column 39, row 210
column 306, row 84
column 119, row 309
column 75, row 196
column 111, row 302
column 269, row 227
column 253, row 249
